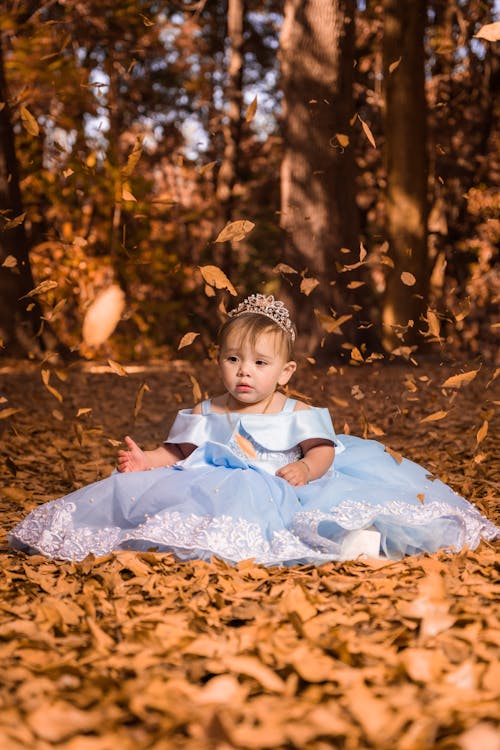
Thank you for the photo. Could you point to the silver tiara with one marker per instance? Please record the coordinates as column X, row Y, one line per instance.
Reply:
column 268, row 306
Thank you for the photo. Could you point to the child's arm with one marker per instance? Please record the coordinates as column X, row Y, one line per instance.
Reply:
column 135, row 459
column 318, row 457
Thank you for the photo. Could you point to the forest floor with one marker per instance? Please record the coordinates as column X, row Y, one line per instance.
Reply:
column 138, row 650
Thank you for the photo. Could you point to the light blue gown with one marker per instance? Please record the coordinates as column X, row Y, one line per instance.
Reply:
column 221, row 502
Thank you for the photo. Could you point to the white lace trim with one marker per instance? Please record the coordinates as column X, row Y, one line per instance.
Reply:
column 50, row 530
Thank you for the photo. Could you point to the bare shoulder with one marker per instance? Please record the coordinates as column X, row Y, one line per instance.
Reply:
column 300, row 406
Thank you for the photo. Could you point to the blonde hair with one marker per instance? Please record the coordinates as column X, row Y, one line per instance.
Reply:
column 249, row 326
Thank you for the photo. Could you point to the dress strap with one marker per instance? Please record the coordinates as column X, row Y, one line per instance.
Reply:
column 289, row 405
column 205, row 407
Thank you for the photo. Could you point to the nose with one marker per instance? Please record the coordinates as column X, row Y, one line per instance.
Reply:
column 243, row 368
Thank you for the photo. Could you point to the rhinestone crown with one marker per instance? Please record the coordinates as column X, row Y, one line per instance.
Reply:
column 268, row 306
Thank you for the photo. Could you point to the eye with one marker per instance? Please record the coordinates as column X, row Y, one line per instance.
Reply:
column 232, row 358
column 260, row 362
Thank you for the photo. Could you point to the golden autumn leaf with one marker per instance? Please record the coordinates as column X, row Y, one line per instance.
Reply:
column 45, row 379
column 9, row 262
column 103, row 316
column 408, row 278
column 355, row 284
column 15, row 222
column 434, row 417
column 283, row 268
column 457, row 381
column 207, row 167
column 245, row 445
column 330, row 324
column 83, row 410
column 117, row 368
column 234, row 231
column 132, row 160
column 138, row 399
column 29, row 122
column 395, row 65
column 187, row 339
column 490, row 32
column 252, row 109
column 127, row 195
column 307, row 285
column 197, row 395
column 482, row 432
column 42, row 288
column 367, row 132
column 433, row 323
column 9, row 412
column 395, row 455
column 342, row 139
column 216, row 278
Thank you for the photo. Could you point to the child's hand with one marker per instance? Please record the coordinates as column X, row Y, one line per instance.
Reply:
column 296, row 473
column 132, row 459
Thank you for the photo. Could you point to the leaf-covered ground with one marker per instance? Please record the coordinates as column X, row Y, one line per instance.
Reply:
column 141, row 651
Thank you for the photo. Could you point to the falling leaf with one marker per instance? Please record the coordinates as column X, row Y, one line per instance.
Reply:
column 207, row 167
column 117, row 368
column 245, row 445
column 408, row 278
column 252, row 109
column 84, row 410
column 235, row 231
column 127, row 195
column 465, row 308
column 367, row 132
column 45, row 379
column 187, row 339
column 396, row 456
column 482, row 432
column 457, row 381
column 9, row 262
column 28, row 121
column 355, row 284
column 490, row 32
column 331, row 324
column 307, row 285
column 283, row 268
column 44, row 286
column 356, row 355
column 421, row 497
column 435, row 416
column 9, row 412
column 433, row 322
column 342, row 139
column 215, row 277
column 138, row 399
column 132, row 161
column 15, row 222
column 103, row 316
column 197, row 395
column 394, row 65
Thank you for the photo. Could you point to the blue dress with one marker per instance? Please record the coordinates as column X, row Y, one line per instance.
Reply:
column 220, row 501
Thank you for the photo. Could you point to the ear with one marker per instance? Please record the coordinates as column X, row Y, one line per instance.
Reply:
column 287, row 372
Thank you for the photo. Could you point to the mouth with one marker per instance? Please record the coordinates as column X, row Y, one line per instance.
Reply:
column 243, row 388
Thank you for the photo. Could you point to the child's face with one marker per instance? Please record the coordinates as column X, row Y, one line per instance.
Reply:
column 252, row 373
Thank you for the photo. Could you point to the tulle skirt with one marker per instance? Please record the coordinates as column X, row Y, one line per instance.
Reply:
column 215, row 503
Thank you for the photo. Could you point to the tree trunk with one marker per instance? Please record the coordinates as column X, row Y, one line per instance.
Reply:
column 18, row 325
column 406, row 195
column 228, row 172
column 318, row 210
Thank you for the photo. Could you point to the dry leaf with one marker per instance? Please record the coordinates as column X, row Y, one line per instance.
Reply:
column 367, row 132
column 331, row 324
column 138, row 399
column 12, row 223
column 197, row 395
column 234, row 231
column 28, row 121
column 9, row 412
column 187, row 339
column 127, row 195
column 490, row 32
column 408, row 278
column 117, row 368
column 45, row 379
column 252, row 109
column 342, row 139
column 215, row 277
column 283, row 268
column 307, row 285
column 9, row 262
column 207, row 167
column 433, row 322
column 482, row 432
column 44, row 286
column 394, row 65
column 434, row 417
column 103, row 316
column 396, row 456
column 457, row 381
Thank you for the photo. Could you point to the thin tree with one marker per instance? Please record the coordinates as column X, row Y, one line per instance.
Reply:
column 406, row 194
column 318, row 209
